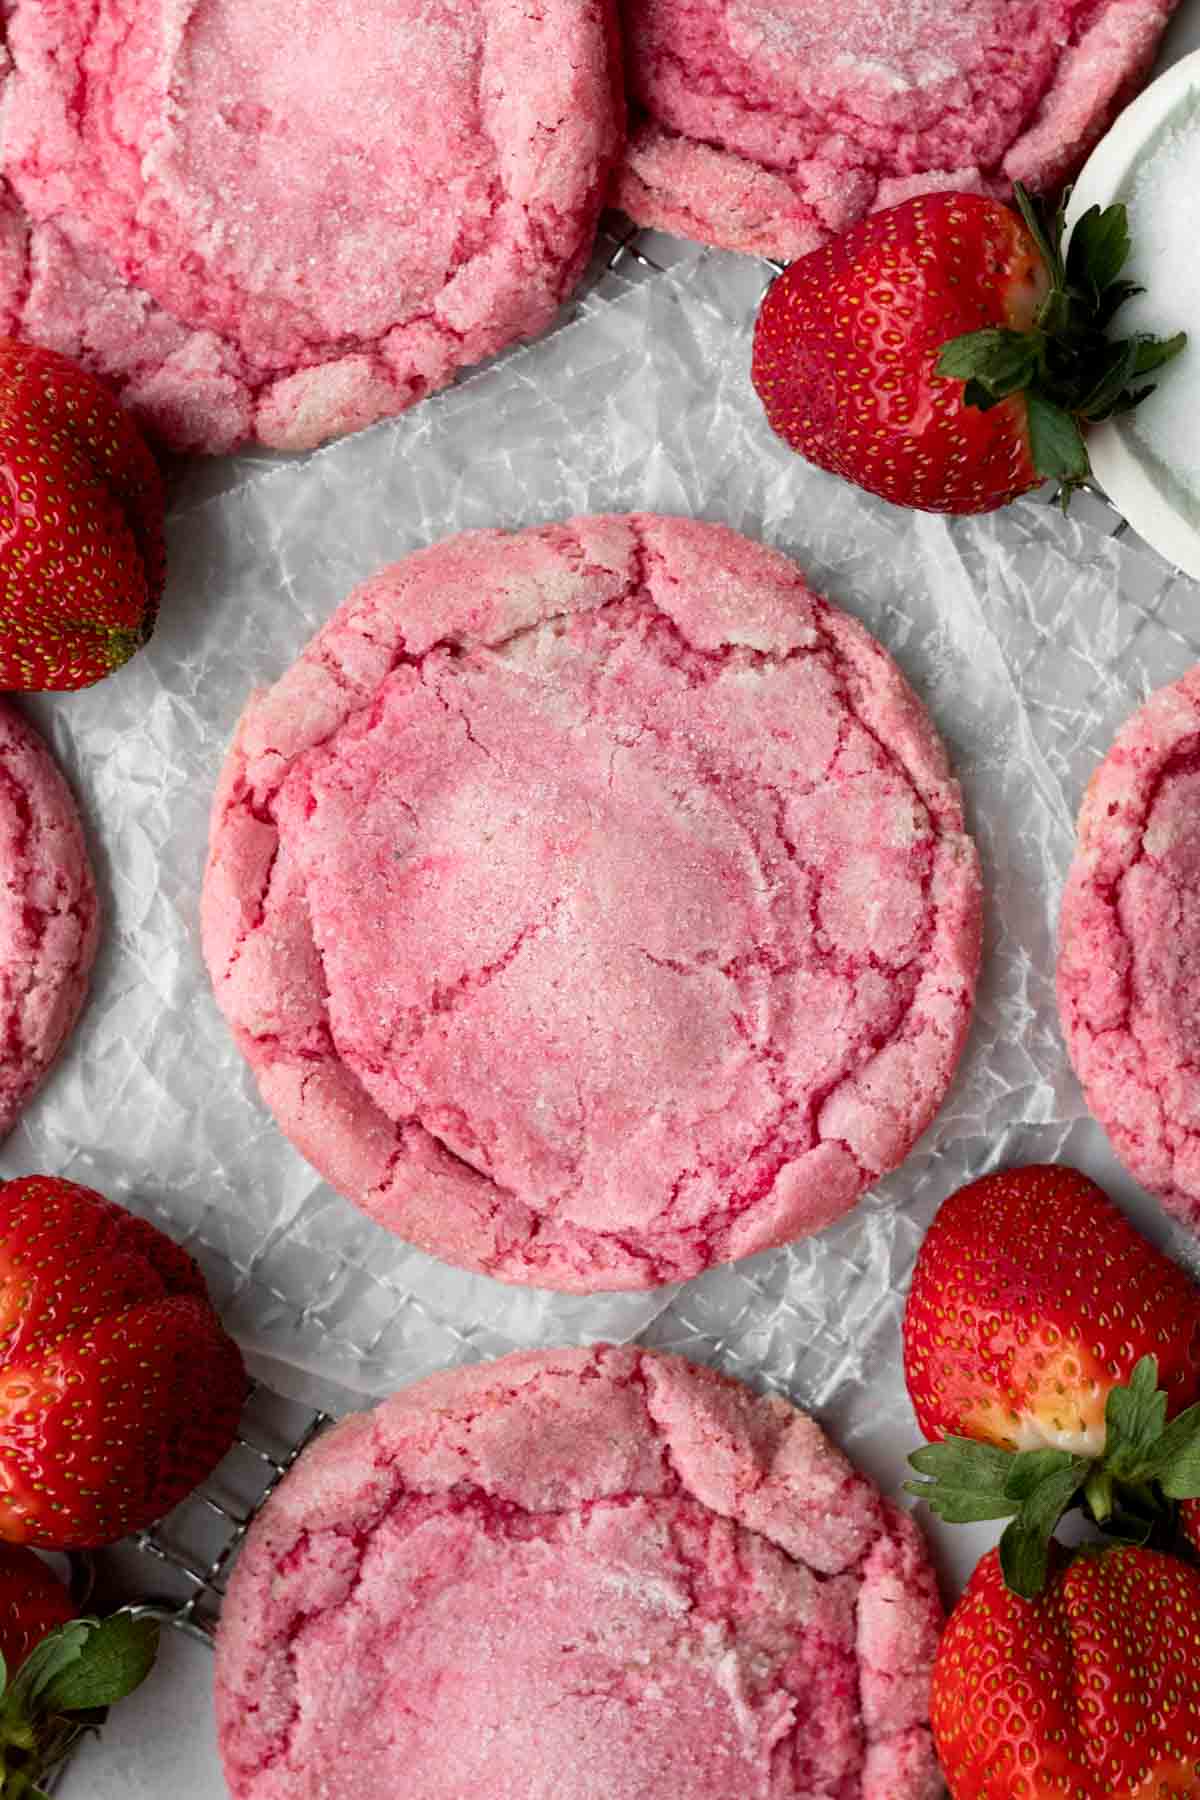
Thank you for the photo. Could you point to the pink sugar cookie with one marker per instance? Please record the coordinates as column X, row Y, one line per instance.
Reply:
column 593, row 903
column 769, row 125
column 1129, row 953
column 280, row 222
column 578, row 1575
column 48, row 913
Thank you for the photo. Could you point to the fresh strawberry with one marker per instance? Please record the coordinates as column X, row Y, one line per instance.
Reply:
column 1032, row 1298
column 81, row 525
column 32, row 1602
column 1046, row 1344
column 1091, row 1690
column 944, row 353
column 119, row 1389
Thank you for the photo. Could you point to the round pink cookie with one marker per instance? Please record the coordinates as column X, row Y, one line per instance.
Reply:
column 48, row 913
column 578, row 1575
column 282, row 222
column 768, row 125
column 593, row 903
column 1129, row 955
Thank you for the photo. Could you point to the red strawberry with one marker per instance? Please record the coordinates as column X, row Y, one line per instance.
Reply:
column 1091, row 1690
column 1038, row 1327
column 1032, row 1298
column 32, row 1602
column 942, row 352
column 119, row 1389
column 81, row 525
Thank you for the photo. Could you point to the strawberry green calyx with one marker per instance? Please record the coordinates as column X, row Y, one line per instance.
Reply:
column 1130, row 1491
column 63, row 1689
column 1070, row 371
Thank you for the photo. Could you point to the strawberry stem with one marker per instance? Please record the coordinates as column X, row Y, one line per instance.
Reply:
column 1098, row 1493
column 1049, row 243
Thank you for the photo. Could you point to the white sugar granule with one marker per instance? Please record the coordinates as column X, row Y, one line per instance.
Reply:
column 1164, row 220
column 897, row 48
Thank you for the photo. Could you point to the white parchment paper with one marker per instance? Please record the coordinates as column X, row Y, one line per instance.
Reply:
column 1029, row 637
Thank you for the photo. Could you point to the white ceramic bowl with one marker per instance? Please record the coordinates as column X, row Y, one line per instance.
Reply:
column 1123, row 465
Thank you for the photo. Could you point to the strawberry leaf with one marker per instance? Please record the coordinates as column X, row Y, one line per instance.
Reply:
column 1025, row 1545
column 1174, row 1461
column 47, row 1660
column 976, row 395
column 1153, row 352
column 1116, row 364
column 1128, row 401
column 1135, row 1416
column 1030, row 1469
column 1000, row 361
column 1099, row 248
column 1024, row 1559
column 1182, row 1479
column 1055, row 442
column 966, row 1481
column 117, row 1658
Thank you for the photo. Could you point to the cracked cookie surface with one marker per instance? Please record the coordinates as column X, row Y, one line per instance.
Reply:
column 48, row 913
column 1129, row 956
column 593, row 903
column 601, row 1574
column 279, row 223
column 768, row 125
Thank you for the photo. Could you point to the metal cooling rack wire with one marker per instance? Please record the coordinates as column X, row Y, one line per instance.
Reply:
column 196, row 1613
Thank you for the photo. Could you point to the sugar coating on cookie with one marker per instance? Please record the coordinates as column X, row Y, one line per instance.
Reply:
column 1129, row 951
column 282, row 222
column 48, row 913
column 593, row 903
column 594, row 1574
column 768, row 125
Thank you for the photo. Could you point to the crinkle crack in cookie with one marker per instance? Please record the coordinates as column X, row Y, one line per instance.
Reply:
column 1129, row 957
column 279, row 222
column 768, row 125
column 578, row 1575
column 48, row 913
column 593, row 903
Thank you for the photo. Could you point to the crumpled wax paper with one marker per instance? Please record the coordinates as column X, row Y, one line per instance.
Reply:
column 1030, row 636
